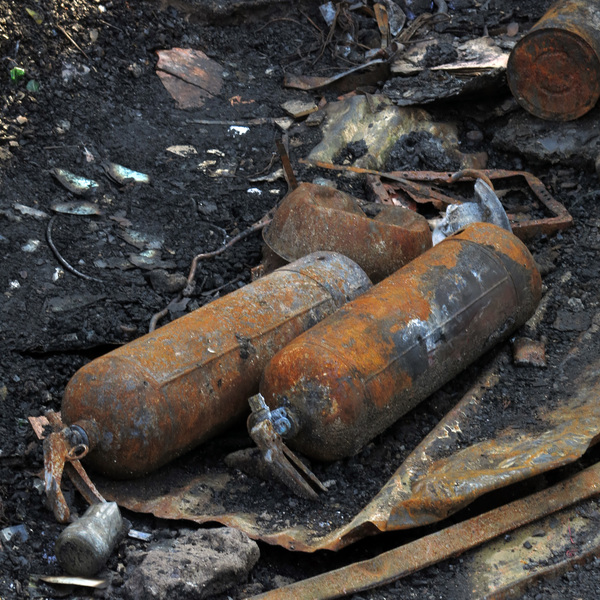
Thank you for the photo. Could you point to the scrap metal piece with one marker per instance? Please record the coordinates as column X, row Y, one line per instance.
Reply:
column 529, row 353
column 76, row 208
column 60, row 447
column 351, row 376
column 99, row 584
column 396, row 17
column 447, row 543
column 170, row 390
column 505, row 568
column 311, row 82
column 288, row 170
column 554, row 71
column 376, row 123
column 523, row 229
column 381, row 15
column 316, row 217
column 409, row 182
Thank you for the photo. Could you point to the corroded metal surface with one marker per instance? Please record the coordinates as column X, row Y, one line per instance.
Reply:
column 353, row 375
column 159, row 396
column 315, row 217
column 554, row 71
column 62, row 452
column 444, row 544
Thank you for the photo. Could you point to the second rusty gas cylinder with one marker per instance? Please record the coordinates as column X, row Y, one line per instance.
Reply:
column 554, row 71
column 316, row 217
column 351, row 376
column 166, row 392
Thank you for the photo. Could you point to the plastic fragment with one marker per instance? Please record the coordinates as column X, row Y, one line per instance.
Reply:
column 16, row 74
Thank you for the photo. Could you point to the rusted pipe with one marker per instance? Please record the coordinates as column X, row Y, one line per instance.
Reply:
column 166, row 392
column 554, row 71
column 350, row 377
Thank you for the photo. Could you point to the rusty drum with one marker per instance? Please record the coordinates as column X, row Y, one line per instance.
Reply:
column 554, row 71
column 315, row 217
column 351, row 376
column 153, row 399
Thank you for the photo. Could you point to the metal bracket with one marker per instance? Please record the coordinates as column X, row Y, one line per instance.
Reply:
column 284, row 465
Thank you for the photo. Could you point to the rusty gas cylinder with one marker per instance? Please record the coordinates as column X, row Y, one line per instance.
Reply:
column 352, row 375
column 155, row 398
column 316, row 217
column 554, row 71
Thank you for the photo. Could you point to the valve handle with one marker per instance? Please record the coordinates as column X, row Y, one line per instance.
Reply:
column 63, row 449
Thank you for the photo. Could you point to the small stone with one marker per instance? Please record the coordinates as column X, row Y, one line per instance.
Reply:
column 199, row 564
column 163, row 281
column 512, row 29
column 569, row 321
column 527, row 545
column 475, row 136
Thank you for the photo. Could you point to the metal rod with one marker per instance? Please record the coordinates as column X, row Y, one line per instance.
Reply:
column 442, row 545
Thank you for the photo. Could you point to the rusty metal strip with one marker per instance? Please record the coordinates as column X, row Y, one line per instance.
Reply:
column 288, row 170
column 381, row 16
column 560, row 219
column 442, row 545
column 309, row 82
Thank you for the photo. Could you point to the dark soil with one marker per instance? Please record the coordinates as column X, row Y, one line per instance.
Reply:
column 99, row 99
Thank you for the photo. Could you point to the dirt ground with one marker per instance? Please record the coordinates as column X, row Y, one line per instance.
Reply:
column 99, row 99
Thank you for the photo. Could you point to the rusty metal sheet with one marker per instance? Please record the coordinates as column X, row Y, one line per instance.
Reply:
column 315, row 217
column 554, row 71
column 528, row 352
column 190, row 76
column 201, row 488
column 447, row 543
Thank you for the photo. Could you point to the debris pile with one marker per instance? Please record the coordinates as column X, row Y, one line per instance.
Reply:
column 394, row 358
